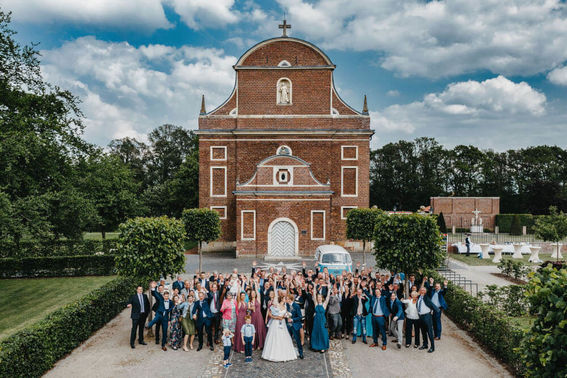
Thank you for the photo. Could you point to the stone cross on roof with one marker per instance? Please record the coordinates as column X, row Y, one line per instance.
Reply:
column 284, row 26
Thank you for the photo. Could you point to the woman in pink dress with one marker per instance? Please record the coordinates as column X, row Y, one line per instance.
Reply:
column 241, row 308
column 255, row 309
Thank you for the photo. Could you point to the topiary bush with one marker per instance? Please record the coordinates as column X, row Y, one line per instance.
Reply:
column 57, row 266
column 360, row 225
column 516, row 227
column 34, row 350
column 201, row 225
column 514, row 268
column 510, row 299
column 150, row 248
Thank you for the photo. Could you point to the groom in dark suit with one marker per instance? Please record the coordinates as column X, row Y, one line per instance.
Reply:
column 165, row 305
column 203, row 319
column 140, row 305
column 294, row 324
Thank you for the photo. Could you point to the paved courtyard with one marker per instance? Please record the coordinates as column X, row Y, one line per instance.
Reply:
column 108, row 354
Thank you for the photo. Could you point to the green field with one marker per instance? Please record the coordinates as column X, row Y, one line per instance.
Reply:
column 98, row 235
column 474, row 260
column 524, row 322
column 25, row 301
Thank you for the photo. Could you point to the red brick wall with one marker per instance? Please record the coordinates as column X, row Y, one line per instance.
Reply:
column 311, row 96
column 458, row 211
column 310, row 92
column 297, row 54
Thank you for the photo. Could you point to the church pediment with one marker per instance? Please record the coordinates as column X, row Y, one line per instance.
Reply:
column 284, row 172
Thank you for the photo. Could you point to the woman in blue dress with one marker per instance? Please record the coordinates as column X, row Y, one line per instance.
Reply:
column 319, row 334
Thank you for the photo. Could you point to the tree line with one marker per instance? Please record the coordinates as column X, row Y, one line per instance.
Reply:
column 405, row 174
column 54, row 184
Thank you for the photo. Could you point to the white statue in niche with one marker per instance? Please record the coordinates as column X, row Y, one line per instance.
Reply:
column 284, row 93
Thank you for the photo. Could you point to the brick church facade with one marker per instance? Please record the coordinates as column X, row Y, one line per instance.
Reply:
column 283, row 159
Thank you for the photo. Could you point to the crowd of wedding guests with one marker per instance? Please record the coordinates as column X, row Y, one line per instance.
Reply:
column 364, row 304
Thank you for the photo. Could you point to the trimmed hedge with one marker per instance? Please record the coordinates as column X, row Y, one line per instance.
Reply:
column 504, row 222
column 35, row 349
column 36, row 248
column 57, row 266
column 487, row 325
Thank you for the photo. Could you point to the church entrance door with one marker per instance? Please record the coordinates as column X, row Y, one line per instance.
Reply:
column 282, row 238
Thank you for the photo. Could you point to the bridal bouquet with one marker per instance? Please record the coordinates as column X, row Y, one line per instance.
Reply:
column 287, row 315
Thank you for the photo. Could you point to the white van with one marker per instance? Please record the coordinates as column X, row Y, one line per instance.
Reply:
column 333, row 257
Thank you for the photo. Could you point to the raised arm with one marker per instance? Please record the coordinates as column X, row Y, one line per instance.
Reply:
column 327, row 299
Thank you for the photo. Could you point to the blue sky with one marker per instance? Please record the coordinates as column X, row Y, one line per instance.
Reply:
column 485, row 72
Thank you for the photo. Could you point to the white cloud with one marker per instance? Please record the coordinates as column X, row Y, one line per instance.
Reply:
column 393, row 93
column 492, row 95
column 128, row 91
column 143, row 14
column 441, row 38
column 206, row 13
column 558, row 76
column 390, row 120
column 495, row 113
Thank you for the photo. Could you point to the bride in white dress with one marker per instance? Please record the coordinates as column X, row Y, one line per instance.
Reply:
column 278, row 346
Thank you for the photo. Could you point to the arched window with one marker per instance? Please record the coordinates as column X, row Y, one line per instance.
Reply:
column 284, row 63
column 284, row 91
column 283, row 150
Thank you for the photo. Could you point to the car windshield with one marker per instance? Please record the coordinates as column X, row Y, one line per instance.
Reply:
column 334, row 258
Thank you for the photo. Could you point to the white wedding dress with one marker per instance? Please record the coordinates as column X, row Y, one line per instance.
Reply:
column 278, row 346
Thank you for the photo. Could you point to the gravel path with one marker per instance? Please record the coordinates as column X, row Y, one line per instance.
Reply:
column 456, row 355
column 481, row 274
column 108, row 354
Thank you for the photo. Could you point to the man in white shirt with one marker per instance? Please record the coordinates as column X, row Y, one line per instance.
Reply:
column 424, row 307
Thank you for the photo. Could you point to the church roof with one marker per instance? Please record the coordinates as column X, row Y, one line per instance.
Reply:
column 254, row 55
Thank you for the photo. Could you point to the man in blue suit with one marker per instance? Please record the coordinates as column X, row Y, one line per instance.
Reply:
column 397, row 318
column 424, row 308
column 379, row 311
column 203, row 318
column 165, row 305
column 179, row 285
column 437, row 295
column 294, row 322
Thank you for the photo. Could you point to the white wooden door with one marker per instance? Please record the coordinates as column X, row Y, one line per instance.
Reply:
column 282, row 239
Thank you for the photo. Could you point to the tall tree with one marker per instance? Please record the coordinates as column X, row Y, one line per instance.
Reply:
column 40, row 137
column 134, row 154
column 173, row 170
column 170, row 145
column 110, row 184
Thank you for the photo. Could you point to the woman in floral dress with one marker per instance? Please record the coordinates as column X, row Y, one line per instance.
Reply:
column 176, row 335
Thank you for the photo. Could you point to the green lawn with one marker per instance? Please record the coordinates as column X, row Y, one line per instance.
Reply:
column 524, row 322
column 24, row 301
column 474, row 260
column 98, row 235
